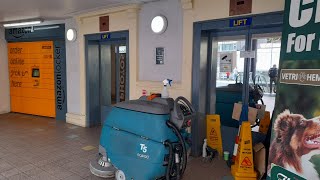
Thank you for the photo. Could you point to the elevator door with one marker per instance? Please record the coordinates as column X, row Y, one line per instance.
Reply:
column 228, row 76
column 107, row 77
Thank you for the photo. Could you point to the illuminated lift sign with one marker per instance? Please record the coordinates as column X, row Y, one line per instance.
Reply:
column 105, row 36
column 241, row 22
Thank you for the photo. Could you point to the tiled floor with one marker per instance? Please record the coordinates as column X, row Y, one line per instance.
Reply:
column 38, row 148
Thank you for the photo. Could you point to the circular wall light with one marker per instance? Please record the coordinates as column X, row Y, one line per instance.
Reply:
column 71, row 35
column 159, row 24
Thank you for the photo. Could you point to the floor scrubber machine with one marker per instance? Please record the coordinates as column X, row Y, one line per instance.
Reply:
column 145, row 139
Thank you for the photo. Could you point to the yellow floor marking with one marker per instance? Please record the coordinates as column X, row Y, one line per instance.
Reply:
column 88, row 148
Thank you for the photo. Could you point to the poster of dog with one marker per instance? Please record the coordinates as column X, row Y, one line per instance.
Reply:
column 296, row 144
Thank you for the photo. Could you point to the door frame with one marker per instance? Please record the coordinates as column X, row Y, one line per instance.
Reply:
column 202, row 67
column 112, row 38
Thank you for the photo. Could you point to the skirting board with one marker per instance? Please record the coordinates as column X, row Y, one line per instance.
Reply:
column 77, row 119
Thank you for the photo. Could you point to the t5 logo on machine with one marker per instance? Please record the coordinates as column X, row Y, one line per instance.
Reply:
column 144, row 149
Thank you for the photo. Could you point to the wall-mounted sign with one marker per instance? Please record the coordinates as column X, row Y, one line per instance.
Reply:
column 226, row 60
column 122, row 49
column 310, row 77
column 104, row 23
column 19, row 32
column 105, row 36
column 240, row 22
column 238, row 7
column 25, row 33
column 159, row 55
column 247, row 54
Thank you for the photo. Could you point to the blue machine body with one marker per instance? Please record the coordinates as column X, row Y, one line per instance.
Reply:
column 134, row 140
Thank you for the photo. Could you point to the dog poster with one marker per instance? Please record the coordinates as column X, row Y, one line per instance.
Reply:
column 295, row 140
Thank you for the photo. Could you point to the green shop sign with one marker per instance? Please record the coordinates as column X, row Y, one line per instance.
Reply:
column 279, row 173
column 296, row 121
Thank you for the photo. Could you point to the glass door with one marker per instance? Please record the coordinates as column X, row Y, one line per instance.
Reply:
column 227, row 76
column 230, row 66
column 265, row 65
column 113, row 76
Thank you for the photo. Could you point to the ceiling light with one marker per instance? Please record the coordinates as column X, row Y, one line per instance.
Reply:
column 21, row 23
column 159, row 24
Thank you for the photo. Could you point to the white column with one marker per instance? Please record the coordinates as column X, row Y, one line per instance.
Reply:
column 4, row 75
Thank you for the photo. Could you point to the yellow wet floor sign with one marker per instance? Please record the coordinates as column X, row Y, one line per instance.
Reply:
column 265, row 123
column 243, row 168
column 214, row 139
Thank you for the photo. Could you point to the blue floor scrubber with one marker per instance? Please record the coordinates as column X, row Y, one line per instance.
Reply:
column 145, row 140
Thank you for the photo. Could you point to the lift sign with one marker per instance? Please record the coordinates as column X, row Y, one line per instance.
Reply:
column 240, row 22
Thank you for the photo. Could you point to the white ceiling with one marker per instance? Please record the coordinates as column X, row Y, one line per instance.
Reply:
column 11, row 10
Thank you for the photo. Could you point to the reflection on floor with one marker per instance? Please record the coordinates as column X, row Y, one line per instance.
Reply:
column 269, row 101
column 38, row 148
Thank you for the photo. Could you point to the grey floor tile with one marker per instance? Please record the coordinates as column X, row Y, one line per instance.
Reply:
column 33, row 172
column 93, row 177
column 74, row 177
column 62, row 174
column 61, row 162
column 20, row 163
column 5, row 166
column 43, row 176
column 19, row 176
column 10, row 172
column 70, row 165
column 44, row 149
column 81, row 171
column 26, row 167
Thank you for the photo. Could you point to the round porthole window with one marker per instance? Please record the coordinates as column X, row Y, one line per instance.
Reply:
column 159, row 24
column 71, row 35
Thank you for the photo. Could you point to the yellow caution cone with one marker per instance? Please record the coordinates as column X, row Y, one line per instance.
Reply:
column 243, row 169
column 265, row 123
column 214, row 139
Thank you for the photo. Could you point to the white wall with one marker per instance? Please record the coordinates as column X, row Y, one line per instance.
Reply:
column 73, row 70
column 144, row 74
column 171, row 40
column 201, row 10
column 4, row 75
column 193, row 11
column 121, row 18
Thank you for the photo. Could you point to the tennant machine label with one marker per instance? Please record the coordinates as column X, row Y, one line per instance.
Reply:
column 142, row 151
